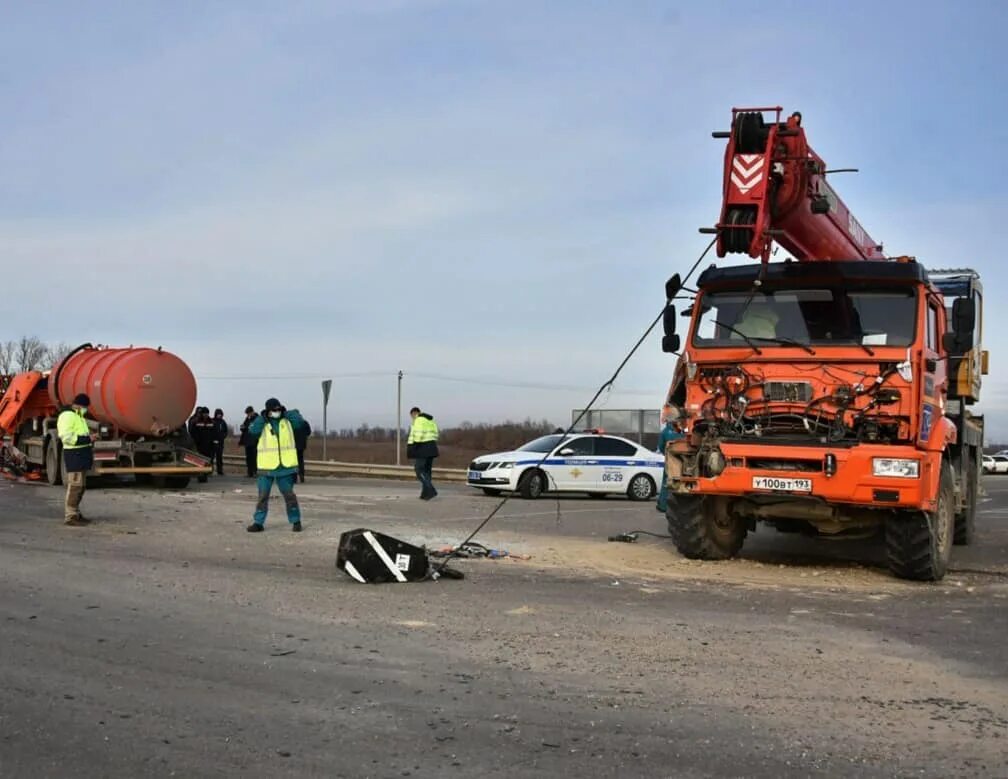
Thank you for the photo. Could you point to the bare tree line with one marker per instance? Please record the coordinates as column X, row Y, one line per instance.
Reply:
column 30, row 353
column 492, row 437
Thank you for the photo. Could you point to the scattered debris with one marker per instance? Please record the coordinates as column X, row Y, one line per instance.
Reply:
column 473, row 549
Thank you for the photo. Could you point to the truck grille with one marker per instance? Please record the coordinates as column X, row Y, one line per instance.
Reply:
column 788, row 391
column 777, row 464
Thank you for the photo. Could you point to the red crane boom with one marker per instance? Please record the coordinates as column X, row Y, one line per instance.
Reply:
column 775, row 189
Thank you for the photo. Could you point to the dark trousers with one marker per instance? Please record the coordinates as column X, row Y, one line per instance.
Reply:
column 301, row 464
column 286, row 486
column 207, row 450
column 250, row 460
column 423, row 467
column 219, row 457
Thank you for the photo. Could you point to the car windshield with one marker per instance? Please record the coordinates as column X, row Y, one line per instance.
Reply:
column 542, row 445
column 808, row 316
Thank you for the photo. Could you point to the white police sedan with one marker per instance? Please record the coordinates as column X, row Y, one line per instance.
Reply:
column 591, row 462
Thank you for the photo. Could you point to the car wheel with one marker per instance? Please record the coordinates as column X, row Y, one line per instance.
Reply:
column 641, row 487
column 532, row 484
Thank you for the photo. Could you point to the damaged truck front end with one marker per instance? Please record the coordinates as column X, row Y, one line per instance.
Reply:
column 813, row 401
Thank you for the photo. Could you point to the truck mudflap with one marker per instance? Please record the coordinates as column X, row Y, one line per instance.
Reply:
column 841, row 475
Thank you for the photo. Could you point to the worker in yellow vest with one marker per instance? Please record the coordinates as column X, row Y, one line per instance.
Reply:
column 421, row 446
column 78, row 455
column 276, row 461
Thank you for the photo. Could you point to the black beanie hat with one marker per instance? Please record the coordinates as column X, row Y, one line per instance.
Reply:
column 82, row 400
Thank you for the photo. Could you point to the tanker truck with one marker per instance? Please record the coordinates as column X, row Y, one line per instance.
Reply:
column 140, row 400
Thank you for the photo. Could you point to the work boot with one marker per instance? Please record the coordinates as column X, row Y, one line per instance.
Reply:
column 255, row 527
column 75, row 522
column 296, row 527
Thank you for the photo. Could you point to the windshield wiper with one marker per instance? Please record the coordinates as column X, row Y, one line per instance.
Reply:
column 788, row 341
column 744, row 337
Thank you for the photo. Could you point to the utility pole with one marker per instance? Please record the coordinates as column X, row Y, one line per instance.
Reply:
column 398, row 429
column 326, row 387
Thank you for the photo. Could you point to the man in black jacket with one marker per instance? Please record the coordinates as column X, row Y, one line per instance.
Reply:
column 203, row 436
column 248, row 442
column 221, row 434
column 301, row 433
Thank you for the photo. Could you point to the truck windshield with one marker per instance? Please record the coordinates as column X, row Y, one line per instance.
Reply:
column 808, row 316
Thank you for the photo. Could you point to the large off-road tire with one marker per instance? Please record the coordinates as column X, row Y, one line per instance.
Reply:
column 965, row 521
column 919, row 544
column 54, row 462
column 641, row 487
column 703, row 529
column 532, row 484
column 177, row 482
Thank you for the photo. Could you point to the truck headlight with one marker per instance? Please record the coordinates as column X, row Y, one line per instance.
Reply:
column 892, row 466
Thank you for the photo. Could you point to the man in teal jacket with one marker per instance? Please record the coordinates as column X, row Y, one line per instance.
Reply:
column 276, row 461
column 669, row 432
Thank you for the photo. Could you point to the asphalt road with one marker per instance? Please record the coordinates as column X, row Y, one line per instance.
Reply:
column 165, row 640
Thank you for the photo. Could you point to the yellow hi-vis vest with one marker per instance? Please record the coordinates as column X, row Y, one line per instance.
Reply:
column 422, row 431
column 277, row 451
column 69, row 427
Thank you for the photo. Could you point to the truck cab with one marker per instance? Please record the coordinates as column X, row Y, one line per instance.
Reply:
column 817, row 400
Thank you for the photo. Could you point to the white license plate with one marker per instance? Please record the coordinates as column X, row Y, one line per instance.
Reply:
column 781, row 485
column 475, row 475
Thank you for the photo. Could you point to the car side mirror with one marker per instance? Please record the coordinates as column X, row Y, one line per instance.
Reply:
column 566, row 452
column 670, row 344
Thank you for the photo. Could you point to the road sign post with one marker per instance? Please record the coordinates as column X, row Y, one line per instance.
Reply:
column 326, row 388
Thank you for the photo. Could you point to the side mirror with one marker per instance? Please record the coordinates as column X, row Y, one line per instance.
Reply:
column 964, row 316
column 950, row 343
column 668, row 319
column 670, row 344
column 672, row 287
column 566, row 452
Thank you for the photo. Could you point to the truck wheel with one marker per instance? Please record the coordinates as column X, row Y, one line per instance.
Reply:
column 532, row 484
column 177, row 482
column 53, row 462
column 918, row 544
column 966, row 520
column 703, row 529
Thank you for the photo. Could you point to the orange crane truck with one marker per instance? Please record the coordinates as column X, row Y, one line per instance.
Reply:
column 827, row 394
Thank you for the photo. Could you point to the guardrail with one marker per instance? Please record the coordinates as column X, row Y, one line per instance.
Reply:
column 370, row 470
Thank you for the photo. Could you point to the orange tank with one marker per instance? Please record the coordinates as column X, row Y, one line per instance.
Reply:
column 141, row 391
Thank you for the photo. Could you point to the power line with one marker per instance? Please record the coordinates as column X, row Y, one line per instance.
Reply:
column 479, row 381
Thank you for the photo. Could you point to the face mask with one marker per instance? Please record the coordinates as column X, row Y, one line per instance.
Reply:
column 83, row 410
column 275, row 414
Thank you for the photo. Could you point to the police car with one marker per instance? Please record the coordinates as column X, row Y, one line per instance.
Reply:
column 589, row 462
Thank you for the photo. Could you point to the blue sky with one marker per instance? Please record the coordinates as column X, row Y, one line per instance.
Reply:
column 484, row 190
